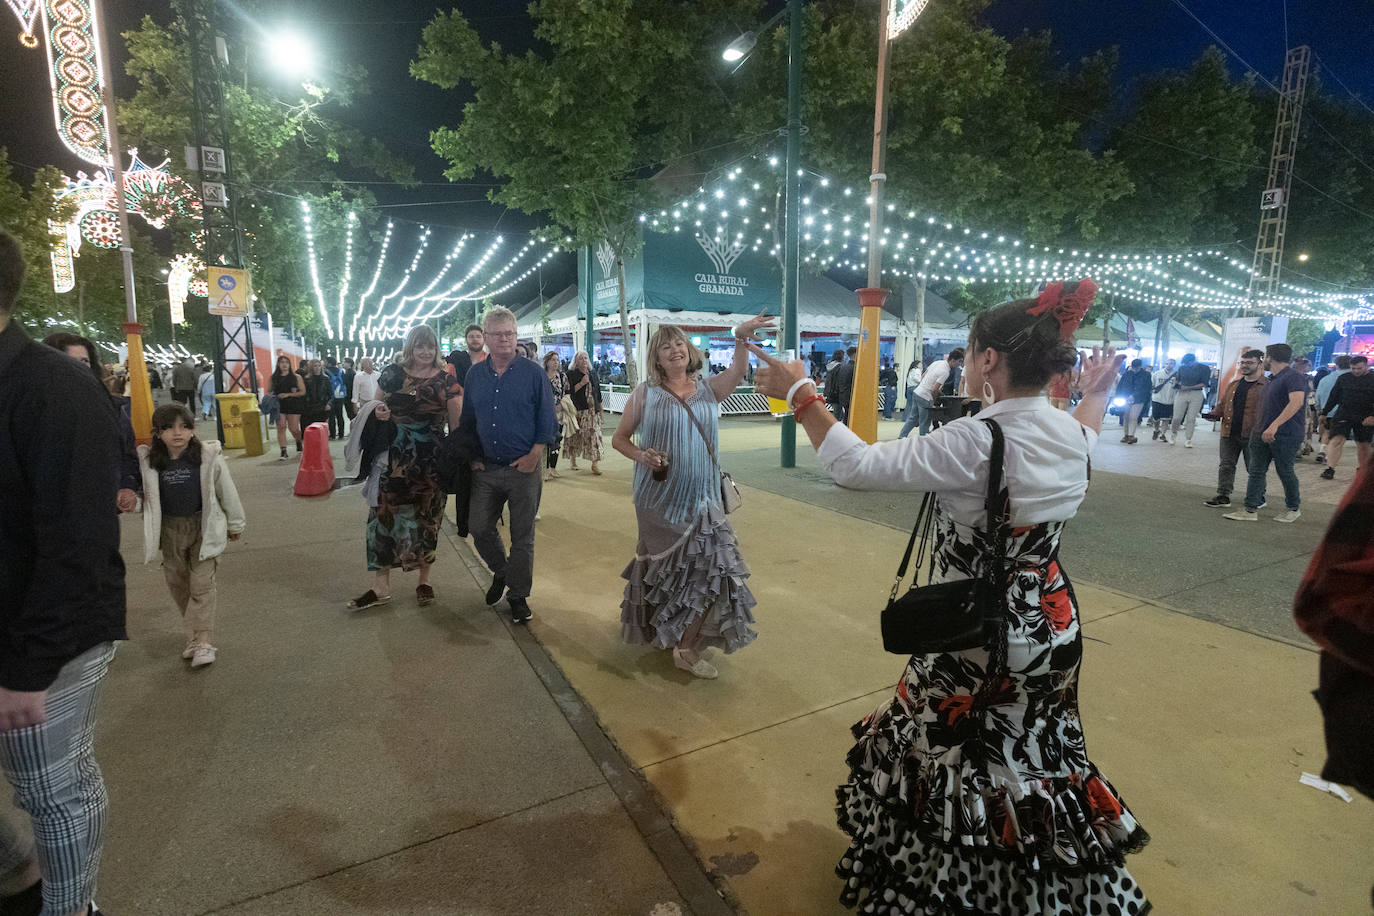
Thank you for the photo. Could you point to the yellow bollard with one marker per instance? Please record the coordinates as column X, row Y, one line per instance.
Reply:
column 863, row 398
column 232, row 406
column 252, row 432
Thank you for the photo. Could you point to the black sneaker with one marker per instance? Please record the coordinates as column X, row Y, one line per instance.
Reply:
column 1321, row 458
column 498, row 588
column 1218, row 502
column 1329, row 474
column 367, row 599
column 519, row 610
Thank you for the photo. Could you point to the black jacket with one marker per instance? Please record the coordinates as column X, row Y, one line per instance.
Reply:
column 60, row 571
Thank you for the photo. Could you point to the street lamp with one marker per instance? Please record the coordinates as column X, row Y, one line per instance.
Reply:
column 289, row 52
column 791, row 338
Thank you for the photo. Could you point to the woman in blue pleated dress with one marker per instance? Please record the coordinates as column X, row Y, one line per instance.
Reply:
column 685, row 588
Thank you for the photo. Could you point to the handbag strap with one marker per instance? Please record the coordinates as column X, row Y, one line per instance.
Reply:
column 995, row 504
column 695, row 422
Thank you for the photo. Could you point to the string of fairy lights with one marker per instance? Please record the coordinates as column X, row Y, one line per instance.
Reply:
column 737, row 209
column 365, row 324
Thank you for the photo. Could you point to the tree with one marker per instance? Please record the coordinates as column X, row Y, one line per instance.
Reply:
column 282, row 150
column 618, row 89
column 1304, row 334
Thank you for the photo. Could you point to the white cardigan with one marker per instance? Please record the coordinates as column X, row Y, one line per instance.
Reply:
column 220, row 510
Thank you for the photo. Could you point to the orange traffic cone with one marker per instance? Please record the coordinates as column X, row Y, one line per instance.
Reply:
column 316, row 474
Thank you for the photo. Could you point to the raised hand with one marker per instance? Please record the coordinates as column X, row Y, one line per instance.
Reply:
column 745, row 330
column 1100, row 370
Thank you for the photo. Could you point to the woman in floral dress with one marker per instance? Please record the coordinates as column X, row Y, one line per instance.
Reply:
column 970, row 791
column 584, row 439
column 416, row 399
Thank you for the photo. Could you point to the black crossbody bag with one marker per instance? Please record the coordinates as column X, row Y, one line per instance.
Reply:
column 962, row 614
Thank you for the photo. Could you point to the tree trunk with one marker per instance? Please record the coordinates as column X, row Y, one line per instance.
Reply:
column 1166, row 320
column 631, row 370
column 920, row 322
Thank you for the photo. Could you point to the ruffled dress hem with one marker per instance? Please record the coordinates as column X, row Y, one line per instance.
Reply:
column 702, row 573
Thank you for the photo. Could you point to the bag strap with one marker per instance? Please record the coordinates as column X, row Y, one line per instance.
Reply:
column 996, row 504
column 695, row 422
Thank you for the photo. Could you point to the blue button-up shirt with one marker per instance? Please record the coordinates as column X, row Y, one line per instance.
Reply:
column 510, row 412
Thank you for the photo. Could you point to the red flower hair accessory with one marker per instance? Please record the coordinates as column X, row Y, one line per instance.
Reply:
column 1069, row 301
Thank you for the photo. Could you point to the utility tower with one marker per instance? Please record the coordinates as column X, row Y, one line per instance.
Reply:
column 223, row 240
column 1264, row 278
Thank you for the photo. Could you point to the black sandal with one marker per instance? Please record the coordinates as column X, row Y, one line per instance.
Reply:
column 367, row 599
column 424, row 595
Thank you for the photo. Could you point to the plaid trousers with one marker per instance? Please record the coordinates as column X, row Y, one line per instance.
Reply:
column 52, row 768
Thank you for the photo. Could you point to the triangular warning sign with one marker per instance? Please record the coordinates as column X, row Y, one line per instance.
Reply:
column 226, row 302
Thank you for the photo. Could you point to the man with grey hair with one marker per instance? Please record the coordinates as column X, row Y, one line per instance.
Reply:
column 508, row 419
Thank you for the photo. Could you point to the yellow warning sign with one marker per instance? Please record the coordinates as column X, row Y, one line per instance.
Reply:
column 230, row 290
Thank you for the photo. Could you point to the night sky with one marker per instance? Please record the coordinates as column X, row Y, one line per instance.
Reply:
column 1150, row 34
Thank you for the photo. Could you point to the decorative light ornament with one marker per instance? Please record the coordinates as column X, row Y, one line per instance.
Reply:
column 76, row 74
column 182, row 272
column 27, row 11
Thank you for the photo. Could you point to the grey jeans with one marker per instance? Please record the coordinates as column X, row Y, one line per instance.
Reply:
column 1232, row 450
column 57, row 782
column 1187, row 406
column 492, row 489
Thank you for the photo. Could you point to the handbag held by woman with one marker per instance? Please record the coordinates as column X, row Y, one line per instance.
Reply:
column 963, row 613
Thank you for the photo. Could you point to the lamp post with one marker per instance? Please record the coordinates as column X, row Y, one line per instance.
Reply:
column 791, row 269
column 896, row 16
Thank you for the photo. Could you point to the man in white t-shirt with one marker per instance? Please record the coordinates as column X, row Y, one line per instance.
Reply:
column 1165, row 388
column 927, row 394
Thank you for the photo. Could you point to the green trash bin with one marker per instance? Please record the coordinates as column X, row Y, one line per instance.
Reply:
column 232, row 407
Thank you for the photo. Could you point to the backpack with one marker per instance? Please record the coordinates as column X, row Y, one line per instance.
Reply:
column 336, row 383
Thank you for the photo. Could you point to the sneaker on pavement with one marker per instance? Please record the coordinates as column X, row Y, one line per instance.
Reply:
column 519, row 610
column 204, row 655
column 367, row 599
column 1242, row 515
column 1154, row 435
column 1329, row 474
column 694, row 664
column 190, row 649
column 1289, row 517
column 1321, row 458
column 498, row 588
column 424, row 595
column 1188, row 444
column 1218, row 502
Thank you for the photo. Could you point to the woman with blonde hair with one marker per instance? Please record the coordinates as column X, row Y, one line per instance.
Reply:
column 400, row 434
column 553, row 368
column 685, row 587
column 583, row 440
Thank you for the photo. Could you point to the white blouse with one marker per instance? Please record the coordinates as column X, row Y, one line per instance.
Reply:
column 1045, row 468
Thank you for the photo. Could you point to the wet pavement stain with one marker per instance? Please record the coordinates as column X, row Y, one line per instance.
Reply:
column 733, row 865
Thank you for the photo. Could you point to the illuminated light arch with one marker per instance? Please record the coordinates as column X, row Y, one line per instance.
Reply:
column 27, row 11
column 150, row 191
column 76, row 73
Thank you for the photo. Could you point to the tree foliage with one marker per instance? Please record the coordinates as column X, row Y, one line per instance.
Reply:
column 283, row 148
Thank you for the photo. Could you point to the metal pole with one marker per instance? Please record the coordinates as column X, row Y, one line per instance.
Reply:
column 140, row 395
column 791, row 271
column 863, row 414
column 587, row 290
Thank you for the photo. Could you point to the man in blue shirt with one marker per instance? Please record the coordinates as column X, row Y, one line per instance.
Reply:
column 1278, row 434
column 508, row 408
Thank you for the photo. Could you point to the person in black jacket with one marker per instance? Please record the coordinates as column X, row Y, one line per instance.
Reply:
column 130, row 480
column 63, row 582
column 1136, row 388
column 318, row 395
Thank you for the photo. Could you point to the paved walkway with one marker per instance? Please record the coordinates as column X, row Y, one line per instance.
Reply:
column 402, row 760
column 433, row 760
column 1204, row 727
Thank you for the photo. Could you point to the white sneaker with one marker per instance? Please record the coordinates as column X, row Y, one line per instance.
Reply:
column 190, row 649
column 202, row 656
column 1188, row 444
column 1289, row 517
column 694, row 664
column 1242, row 515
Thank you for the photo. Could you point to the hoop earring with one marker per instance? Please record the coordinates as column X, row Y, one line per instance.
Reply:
column 989, row 396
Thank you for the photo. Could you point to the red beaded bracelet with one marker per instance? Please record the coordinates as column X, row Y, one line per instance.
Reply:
column 797, row 411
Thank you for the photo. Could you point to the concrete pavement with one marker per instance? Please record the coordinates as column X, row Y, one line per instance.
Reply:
column 432, row 760
column 400, row 760
column 1204, row 723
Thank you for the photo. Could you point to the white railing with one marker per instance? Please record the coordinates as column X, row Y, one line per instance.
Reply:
column 744, row 401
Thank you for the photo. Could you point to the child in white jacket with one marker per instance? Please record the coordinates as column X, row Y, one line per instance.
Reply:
column 190, row 511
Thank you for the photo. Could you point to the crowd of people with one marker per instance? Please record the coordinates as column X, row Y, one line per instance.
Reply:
column 970, row 789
